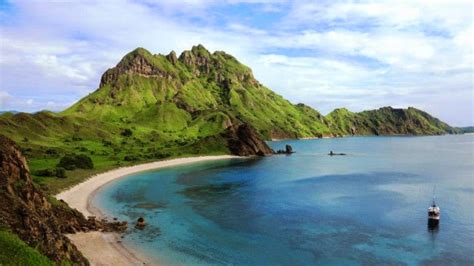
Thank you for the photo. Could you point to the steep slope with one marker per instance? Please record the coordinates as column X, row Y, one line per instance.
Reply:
column 196, row 89
column 387, row 121
column 38, row 221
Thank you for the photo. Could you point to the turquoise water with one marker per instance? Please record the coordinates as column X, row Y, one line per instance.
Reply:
column 369, row 207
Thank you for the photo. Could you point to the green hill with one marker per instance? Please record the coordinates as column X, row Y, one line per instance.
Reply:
column 388, row 121
column 464, row 130
column 153, row 106
column 195, row 90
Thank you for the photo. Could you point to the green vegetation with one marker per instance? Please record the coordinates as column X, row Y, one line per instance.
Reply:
column 388, row 121
column 13, row 251
column 74, row 161
column 49, row 172
column 153, row 107
column 127, row 132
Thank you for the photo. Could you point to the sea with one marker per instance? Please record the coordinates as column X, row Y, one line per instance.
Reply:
column 368, row 207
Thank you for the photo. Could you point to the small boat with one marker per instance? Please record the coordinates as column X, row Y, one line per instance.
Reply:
column 433, row 215
column 331, row 153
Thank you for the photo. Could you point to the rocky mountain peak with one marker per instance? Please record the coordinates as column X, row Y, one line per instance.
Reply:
column 172, row 57
column 140, row 61
column 200, row 50
column 198, row 59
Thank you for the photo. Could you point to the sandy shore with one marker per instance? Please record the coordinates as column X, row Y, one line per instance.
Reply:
column 106, row 248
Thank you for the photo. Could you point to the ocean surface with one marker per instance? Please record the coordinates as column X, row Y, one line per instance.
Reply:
column 369, row 207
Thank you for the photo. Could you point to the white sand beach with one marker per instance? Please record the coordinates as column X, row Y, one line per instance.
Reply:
column 106, row 248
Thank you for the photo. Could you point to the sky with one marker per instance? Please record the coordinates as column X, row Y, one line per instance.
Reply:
column 327, row 54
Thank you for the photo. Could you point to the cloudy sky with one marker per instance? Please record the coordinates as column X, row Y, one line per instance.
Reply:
column 327, row 54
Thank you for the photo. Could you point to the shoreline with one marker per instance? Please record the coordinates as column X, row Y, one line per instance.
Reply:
column 107, row 248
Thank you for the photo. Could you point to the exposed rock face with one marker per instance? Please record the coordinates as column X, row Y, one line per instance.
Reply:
column 172, row 57
column 29, row 214
column 242, row 140
column 136, row 62
column 288, row 150
column 277, row 133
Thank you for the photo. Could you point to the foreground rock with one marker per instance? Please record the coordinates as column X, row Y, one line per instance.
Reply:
column 242, row 140
column 40, row 222
column 140, row 223
column 288, row 150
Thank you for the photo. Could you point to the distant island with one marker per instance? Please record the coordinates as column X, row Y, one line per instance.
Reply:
column 151, row 107
column 465, row 129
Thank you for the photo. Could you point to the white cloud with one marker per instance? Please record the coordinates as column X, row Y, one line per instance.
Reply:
column 327, row 54
column 5, row 98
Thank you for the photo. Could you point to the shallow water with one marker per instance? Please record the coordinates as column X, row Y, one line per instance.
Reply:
column 369, row 207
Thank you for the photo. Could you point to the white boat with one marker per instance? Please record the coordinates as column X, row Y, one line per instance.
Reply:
column 433, row 214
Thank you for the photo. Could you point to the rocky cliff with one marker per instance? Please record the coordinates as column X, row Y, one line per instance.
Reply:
column 38, row 221
column 243, row 141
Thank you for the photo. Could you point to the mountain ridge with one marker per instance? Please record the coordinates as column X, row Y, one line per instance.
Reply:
column 229, row 85
column 187, row 105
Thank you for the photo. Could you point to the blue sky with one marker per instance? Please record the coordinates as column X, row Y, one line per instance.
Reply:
column 327, row 54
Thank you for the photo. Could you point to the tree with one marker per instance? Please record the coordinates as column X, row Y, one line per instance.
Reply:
column 73, row 161
column 127, row 132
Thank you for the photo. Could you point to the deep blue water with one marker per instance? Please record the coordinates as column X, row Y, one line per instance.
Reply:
column 369, row 207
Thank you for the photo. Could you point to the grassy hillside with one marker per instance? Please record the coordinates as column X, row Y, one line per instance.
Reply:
column 152, row 106
column 16, row 252
column 388, row 121
column 197, row 89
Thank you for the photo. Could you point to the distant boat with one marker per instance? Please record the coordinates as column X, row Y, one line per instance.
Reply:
column 331, row 153
column 433, row 215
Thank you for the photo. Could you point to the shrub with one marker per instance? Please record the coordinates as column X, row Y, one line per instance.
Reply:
column 106, row 143
column 51, row 153
column 130, row 158
column 48, row 172
column 73, row 161
column 126, row 132
column 26, row 151
column 45, row 172
column 60, row 172
column 159, row 155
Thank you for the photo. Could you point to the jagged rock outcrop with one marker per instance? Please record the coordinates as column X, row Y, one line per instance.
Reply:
column 36, row 220
column 172, row 57
column 138, row 62
column 242, row 140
